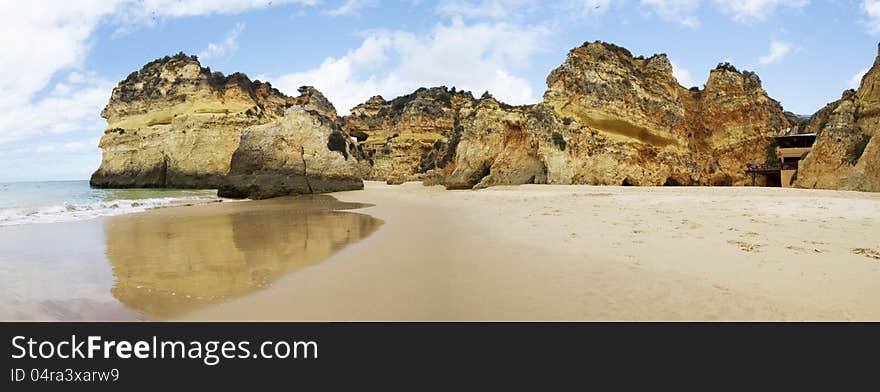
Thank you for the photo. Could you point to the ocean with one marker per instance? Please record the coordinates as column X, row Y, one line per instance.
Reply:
column 64, row 201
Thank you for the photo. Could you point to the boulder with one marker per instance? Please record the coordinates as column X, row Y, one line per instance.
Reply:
column 303, row 152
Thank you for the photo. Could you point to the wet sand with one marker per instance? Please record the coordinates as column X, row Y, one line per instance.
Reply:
column 163, row 263
column 531, row 252
column 590, row 253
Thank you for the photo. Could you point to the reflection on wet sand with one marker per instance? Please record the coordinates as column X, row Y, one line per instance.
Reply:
column 169, row 262
column 56, row 272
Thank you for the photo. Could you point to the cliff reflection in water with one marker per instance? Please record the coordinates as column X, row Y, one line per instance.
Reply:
column 173, row 261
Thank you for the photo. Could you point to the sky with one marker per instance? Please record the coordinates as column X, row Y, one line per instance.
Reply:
column 61, row 59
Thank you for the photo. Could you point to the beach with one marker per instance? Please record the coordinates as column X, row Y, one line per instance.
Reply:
column 509, row 253
column 571, row 253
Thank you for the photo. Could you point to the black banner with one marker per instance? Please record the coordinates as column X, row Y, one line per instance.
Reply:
column 325, row 355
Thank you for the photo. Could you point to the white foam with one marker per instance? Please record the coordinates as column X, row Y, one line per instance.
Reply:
column 68, row 212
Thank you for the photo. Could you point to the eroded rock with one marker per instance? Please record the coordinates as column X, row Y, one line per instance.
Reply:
column 177, row 124
column 303, row 152
column 607, row 118
column 404, row 138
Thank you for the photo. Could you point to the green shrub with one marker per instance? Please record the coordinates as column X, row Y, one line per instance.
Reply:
column 772, row 158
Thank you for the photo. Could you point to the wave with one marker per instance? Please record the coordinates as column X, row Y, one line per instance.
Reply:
column 67, row 212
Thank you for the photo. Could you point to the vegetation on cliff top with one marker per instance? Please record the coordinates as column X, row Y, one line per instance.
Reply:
column 726, row 66
column 150, row 75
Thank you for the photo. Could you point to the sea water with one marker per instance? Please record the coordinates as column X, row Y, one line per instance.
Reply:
column 64, row 201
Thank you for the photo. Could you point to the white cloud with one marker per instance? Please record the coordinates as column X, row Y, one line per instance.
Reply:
column 181, row 8
column 872, row 9
column 856, row 80
column 746, row 11
column 476, row 57
column 58, row 36
column 778, row 51
column 225, row 48
column 72, row 105
column 679, row 11
column 85, row 145
column 352, row 7
column 683, row 76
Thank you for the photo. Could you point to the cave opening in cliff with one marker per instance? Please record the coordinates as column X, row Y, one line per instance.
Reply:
column 671, row 182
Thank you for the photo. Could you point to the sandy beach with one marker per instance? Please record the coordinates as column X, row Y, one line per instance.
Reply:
column 590, row 253
column 409, row 252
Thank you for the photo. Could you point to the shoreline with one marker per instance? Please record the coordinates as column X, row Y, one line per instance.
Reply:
column 796, row 192
column 74, row 201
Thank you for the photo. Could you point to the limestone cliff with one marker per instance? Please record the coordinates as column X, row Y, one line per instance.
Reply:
column 177, row 124
column 409, row 135
column 606, row 118
column 626, row 120
column 847, row 151
column 736, row 122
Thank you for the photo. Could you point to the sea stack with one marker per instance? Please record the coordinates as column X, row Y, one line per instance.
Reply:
column 176, row 124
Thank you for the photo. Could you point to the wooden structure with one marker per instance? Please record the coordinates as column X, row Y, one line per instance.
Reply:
column 790, row 150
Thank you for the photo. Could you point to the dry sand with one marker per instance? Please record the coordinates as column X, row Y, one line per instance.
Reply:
column 590, row 253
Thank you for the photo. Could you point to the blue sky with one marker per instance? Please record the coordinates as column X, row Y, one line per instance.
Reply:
column 62, row 59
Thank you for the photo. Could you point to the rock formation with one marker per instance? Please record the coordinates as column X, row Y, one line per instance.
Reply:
column 607, row 118
column 404, row 138
column 846, row 155
column 177, row 124
column 303, row 152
